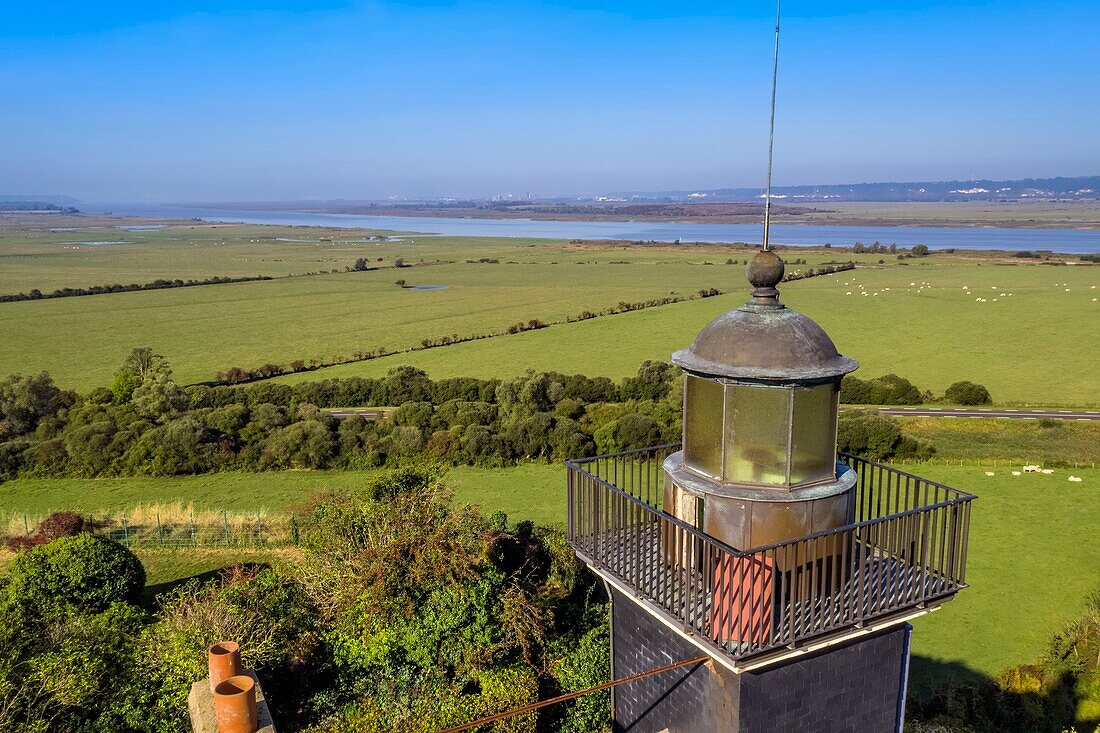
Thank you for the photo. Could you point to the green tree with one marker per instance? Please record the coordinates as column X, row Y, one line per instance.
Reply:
column 25, row 401
column 967, row 393
column 141, row 365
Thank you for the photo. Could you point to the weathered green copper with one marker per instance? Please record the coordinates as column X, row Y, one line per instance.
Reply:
column 764, row 340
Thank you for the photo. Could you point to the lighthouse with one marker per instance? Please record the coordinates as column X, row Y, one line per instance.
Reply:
column 796, row 570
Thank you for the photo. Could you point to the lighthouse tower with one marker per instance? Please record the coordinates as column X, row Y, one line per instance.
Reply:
column 794, row 569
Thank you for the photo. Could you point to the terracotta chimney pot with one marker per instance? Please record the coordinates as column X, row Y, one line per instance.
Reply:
column 235, row 705
column 224, row 661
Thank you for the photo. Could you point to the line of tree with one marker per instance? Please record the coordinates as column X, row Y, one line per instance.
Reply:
column 158, row 284
column 145, row 424
column 243, row 375
column 890, row 389
column 826, row 270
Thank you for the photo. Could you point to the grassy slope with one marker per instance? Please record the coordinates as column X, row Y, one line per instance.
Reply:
column 532, row 491
column 1009, row 441
column 934, row 337
column 1031, row 561
column 81, row 341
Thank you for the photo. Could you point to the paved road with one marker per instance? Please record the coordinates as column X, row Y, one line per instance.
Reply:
column 367, row 413
column 980, row 413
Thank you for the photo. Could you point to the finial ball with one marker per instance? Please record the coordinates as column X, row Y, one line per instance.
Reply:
column 765, row 269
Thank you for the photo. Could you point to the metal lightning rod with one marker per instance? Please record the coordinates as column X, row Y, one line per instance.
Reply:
column 771, row 131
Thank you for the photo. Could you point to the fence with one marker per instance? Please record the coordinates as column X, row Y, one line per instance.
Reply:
column 906, row 550
column 152, row 528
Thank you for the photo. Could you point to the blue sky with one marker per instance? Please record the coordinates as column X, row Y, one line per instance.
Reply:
column 200, row 101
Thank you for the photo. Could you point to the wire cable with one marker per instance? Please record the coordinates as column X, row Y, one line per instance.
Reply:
column 771, row 132
column 572, row 695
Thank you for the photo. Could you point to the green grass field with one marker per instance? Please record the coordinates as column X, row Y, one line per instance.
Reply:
column 932, row 333
column 1031, row 561
column 933, row 336
column 529, row 491
column 203, row 330
column 47, row 260
column 1007, row 441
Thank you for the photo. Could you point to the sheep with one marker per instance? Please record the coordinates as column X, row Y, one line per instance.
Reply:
column 990, row 473
column 1031, row 469
column 1015, row 473
column 1075, row 479
column 1048, row 471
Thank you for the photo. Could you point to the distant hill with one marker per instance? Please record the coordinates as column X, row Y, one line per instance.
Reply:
column 1081, row 188
column 39, row 198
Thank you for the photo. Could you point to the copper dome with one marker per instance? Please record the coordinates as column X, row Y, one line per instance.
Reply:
column 764, row 339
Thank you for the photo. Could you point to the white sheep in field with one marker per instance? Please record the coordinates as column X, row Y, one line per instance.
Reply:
column 1048, row 471
column 1015, row 473
column 1032, row 469
column 1075, row 479
column 990, row 473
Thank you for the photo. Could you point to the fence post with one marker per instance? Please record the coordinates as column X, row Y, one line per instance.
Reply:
column 191, row 519
column 160, row 532
column 294, row 529
column 225, row 523
column 125, row 532
column 26, row 527
column 259, row 528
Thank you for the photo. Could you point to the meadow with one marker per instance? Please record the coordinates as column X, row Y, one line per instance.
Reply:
column 932, row 334
column 1031, row 560
column 919, row 317
column 207, row 329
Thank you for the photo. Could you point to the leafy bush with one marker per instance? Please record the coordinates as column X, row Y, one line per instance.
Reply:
column 889, row 389
column 967, row 393
column 876, row 436
column 84, row 571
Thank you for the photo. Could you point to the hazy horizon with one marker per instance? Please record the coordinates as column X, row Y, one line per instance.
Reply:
column 269, row 100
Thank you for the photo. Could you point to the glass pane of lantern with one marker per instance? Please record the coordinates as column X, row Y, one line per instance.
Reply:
column 813, row 453
column 757, row 428
column 703, row 425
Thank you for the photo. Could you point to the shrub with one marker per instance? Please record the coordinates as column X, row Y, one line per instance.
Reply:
column 967, row 393
column 889, row 389
column 58, row 524
column 84, row 571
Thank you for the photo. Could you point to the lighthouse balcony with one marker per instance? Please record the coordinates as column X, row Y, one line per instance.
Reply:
column 904, row 555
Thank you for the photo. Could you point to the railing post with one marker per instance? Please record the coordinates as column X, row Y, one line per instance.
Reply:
column 26, row 526
column 160, row 532
column 125, row 531
column 225, row 524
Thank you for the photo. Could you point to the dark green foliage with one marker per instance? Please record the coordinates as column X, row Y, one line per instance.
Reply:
column 24, row 401
column 162, row 431
column 654, row 381
column 876, row 436
column 83, row 571
column 889, row 389
column 967, row 393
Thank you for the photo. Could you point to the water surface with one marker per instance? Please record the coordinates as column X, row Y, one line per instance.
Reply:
column 1074, row 241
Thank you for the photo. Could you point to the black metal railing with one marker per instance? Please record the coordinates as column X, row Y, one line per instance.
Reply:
column 906, row 549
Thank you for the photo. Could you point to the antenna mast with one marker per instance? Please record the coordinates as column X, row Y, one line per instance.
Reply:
column 771, row 131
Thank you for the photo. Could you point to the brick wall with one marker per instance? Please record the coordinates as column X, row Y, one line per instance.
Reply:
column 854, row 688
